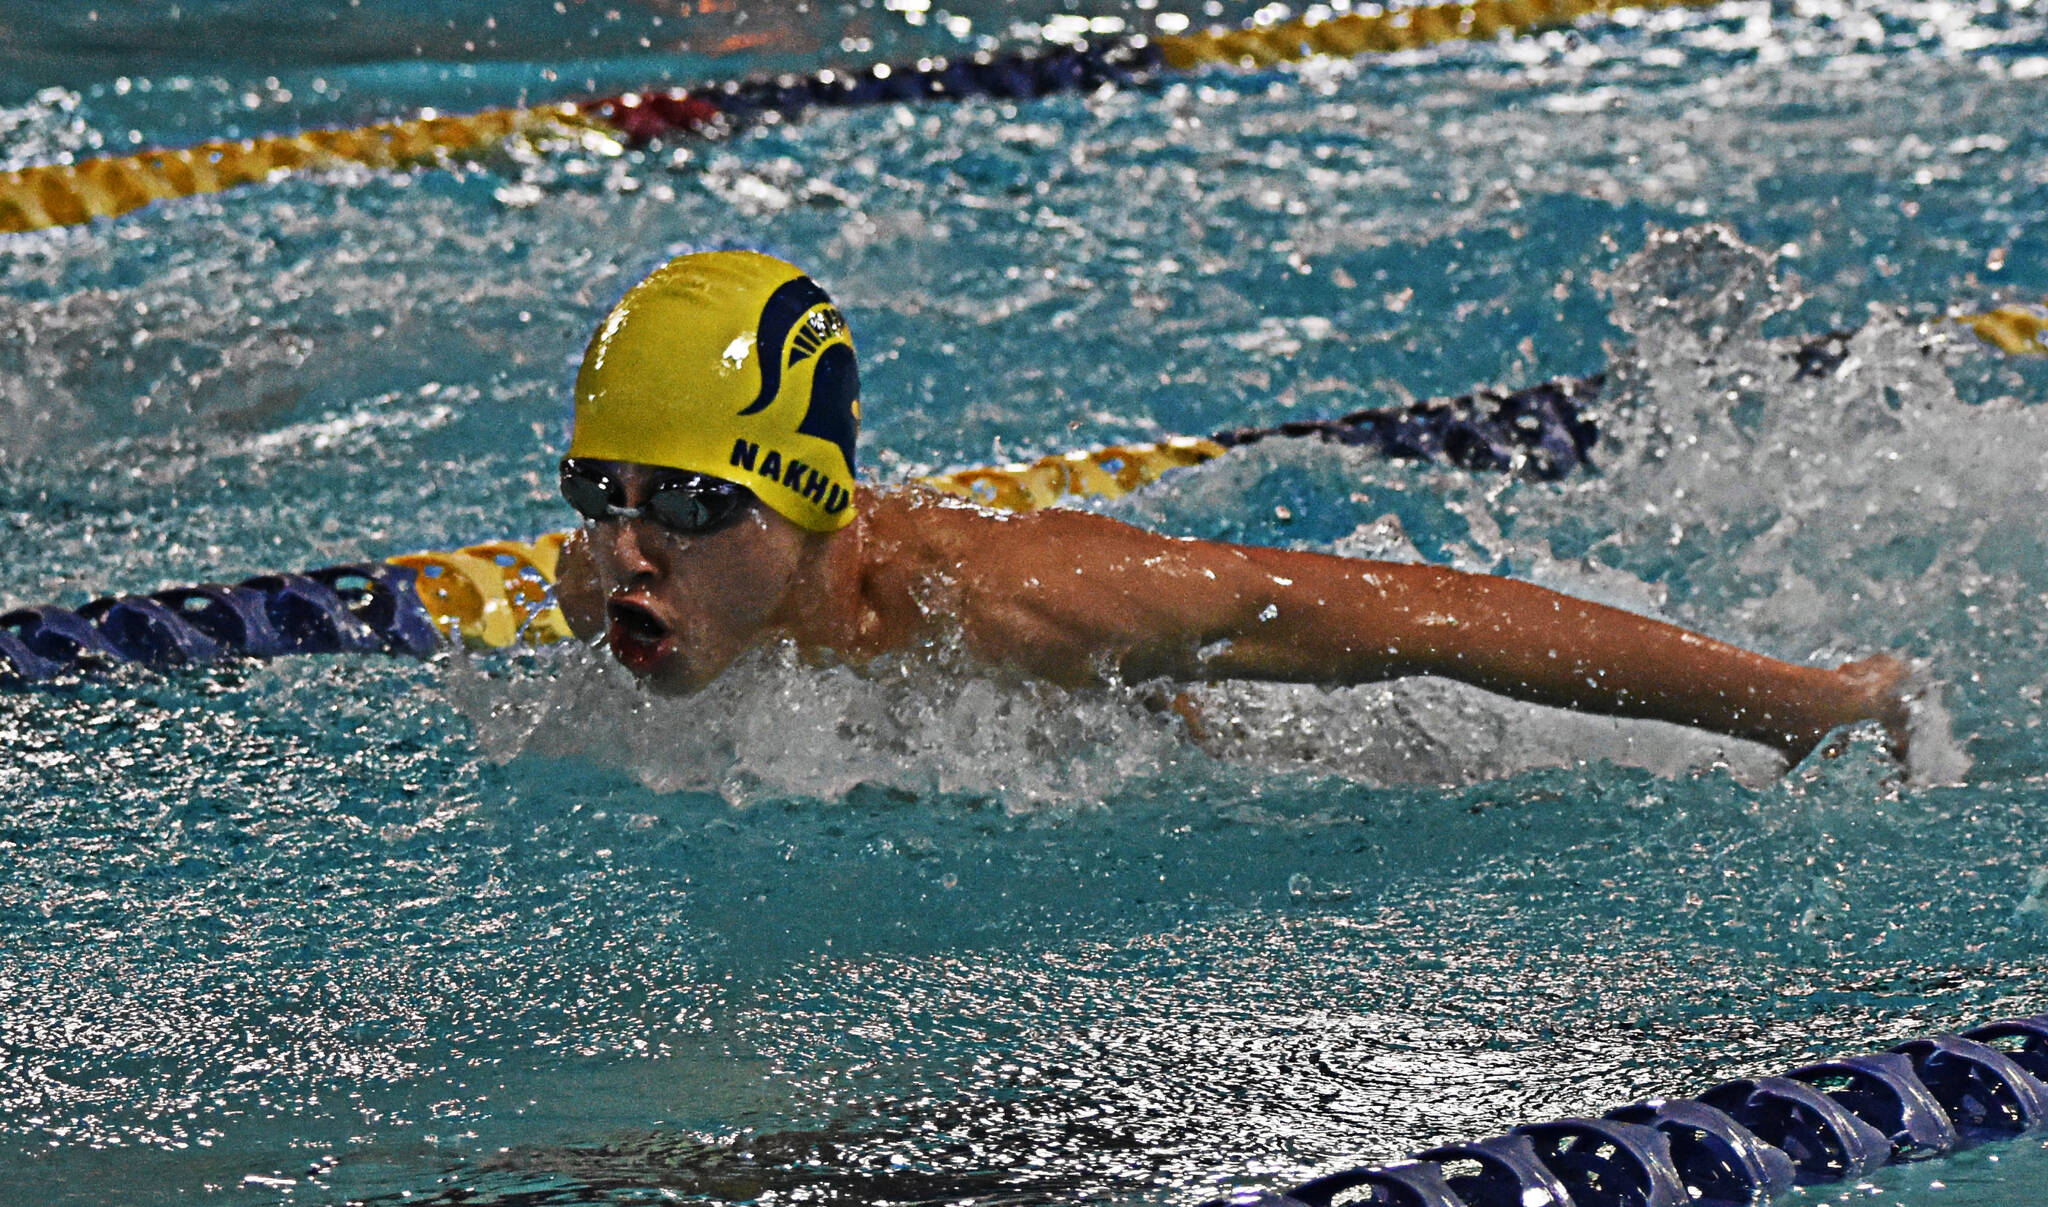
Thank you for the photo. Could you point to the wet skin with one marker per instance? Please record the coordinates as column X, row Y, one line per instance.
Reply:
column 1080, row 599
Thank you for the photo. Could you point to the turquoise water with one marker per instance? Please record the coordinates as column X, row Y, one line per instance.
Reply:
column 497, row 929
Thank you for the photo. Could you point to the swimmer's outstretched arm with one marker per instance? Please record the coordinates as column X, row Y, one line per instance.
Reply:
column 1197, row 610
column 1340, row 622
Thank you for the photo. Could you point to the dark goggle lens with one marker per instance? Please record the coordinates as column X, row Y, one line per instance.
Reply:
column 687, row 504
column 589, row 493
column 694, row 507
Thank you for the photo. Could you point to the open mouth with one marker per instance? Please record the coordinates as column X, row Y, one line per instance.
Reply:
column 638, row 638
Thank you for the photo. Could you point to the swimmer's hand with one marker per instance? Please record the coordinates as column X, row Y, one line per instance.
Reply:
column 1879, row 687
column 1876, row 688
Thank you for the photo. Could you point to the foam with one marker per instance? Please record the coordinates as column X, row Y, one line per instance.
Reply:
column 927, row 723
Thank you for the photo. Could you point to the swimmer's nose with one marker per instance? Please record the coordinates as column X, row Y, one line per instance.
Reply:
column 629, row 548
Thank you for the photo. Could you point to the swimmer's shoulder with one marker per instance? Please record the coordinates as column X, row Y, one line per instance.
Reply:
column 917, row 509
column 916, row 526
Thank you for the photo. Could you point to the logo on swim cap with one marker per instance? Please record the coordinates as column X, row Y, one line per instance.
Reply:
column 732, row 364
column 801, row 319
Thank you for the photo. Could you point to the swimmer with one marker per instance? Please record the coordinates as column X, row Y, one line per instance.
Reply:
column 712, row 459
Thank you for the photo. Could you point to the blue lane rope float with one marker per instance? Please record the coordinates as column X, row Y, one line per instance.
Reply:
column 1543, row 430
column 1745, row 1141
column 644, row 117
column 362, row 608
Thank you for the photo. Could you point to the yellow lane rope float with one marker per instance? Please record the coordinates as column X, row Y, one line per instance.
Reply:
column 2011, row 329
column 1103, row 473
column 69, row 194
column 492, row 595
column 1354, row 34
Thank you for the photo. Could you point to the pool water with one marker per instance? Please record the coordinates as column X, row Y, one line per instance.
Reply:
column 498, row 929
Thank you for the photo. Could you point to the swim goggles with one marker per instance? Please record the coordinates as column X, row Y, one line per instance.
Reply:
column 684, row 503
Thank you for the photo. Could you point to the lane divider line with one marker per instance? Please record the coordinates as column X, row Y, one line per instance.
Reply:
column 1746, row 1141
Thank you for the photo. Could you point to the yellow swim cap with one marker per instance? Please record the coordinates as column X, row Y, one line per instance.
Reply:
column 731, row 364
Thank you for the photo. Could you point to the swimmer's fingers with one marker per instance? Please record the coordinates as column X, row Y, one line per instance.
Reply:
column 1191, row 713
column 1183, row 706
column 576, row 591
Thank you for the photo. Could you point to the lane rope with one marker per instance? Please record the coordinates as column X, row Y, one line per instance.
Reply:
column 501, row 593
column 69, row 194
column 1746, row 1141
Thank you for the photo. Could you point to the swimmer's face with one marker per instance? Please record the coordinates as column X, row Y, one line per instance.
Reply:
column 678, row 609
